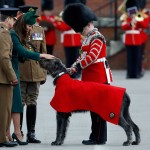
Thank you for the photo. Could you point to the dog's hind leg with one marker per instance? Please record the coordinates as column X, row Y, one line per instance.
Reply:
column 130, row 122
column 62, row 123
column 128, row 130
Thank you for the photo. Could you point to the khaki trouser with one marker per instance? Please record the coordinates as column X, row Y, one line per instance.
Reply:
column 30, row 92
column 6, row 93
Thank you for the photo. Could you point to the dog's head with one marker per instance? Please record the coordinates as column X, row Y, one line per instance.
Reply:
column 53, row 66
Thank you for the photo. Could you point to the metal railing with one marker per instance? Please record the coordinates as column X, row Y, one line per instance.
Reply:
column 103, row 10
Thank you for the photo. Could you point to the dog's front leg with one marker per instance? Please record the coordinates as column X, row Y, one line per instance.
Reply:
column 62, row 123
column 58, row 133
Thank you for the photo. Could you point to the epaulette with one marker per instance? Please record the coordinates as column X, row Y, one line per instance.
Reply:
column 98, row 35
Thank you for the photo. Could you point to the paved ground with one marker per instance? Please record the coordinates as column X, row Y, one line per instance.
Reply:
column 139, row 91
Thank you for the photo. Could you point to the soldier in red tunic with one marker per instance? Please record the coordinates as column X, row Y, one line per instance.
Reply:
column 46, row 20
column 133, row 37
column 92, row 61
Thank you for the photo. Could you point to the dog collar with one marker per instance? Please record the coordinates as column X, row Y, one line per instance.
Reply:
column 57, row 76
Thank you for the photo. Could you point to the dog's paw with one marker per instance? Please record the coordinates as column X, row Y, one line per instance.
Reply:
column 127, row 143
column 135, row 143
column 56, row 143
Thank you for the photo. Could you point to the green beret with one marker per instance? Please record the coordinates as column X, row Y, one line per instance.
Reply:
column 30, row 17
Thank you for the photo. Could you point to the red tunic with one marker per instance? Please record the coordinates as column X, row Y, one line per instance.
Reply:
column 71, row 95
column 134, row 36
column 93, row 51
column 69, row 38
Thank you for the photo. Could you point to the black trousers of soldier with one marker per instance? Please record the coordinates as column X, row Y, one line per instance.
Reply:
column 99, row 128
column 71, row 54
column 134, row 61
column 143, row 61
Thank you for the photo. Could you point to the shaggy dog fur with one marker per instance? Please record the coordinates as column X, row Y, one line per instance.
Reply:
column 55, row 67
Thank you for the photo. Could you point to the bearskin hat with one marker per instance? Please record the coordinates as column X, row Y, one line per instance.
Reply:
column 142, row 4
column 132, row 3
column 77, row 16
column 47, row 5
column 66, row 2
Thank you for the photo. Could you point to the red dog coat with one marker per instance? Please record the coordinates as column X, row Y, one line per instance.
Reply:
column 71, row 95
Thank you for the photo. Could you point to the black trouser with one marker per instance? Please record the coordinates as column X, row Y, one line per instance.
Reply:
column 99, row 128
column 133, row 61
column 142, row 58
column 49, row 49
column 71, row 53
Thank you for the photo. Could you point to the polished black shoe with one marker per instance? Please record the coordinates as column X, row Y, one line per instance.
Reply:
column 14, row 136
column 31, row 138
column 92, row 142
column 8, row 144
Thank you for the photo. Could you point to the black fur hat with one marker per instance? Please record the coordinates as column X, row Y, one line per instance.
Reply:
column 66, row 2
column 77, row 16
column 132, row 3
column 47, row 5
column 142, row 3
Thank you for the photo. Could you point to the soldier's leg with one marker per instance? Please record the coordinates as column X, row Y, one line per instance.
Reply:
column 6, row 92
column 33, row 92
column 99, row 131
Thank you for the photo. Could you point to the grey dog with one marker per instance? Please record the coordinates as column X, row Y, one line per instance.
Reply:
column 55, row 67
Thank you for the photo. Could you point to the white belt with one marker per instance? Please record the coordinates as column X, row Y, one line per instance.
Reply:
column 132, row 32
column 69, row 32
column 107, row 70
column 103, row 59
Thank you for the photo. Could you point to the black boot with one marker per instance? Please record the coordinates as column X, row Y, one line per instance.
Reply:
column 62, row 123
column 31, row 119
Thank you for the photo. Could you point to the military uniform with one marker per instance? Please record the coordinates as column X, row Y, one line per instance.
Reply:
column 134, row 24
column 92, row 61
column 7, row 75
column 31, row 76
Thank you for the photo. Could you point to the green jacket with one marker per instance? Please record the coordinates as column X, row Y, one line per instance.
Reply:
column 19, row 50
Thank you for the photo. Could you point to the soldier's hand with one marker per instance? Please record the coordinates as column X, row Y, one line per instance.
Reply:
column 71, row 70
column 14, row 82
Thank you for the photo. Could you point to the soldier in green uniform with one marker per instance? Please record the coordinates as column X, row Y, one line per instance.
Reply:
column 31, row 76
column 7, row 75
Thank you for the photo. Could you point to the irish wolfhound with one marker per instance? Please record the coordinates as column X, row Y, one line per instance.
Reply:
column 61, row 79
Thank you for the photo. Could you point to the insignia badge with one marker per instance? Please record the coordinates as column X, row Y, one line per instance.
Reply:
column 111, row 115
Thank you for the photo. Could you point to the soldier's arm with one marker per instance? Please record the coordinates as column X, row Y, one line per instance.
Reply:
column 5, row 57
